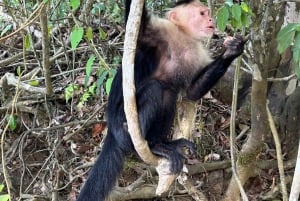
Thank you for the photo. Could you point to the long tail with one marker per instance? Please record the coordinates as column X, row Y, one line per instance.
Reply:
column 103, row 175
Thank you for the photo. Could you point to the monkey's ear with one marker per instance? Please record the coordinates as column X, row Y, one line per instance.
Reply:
column 173, row 17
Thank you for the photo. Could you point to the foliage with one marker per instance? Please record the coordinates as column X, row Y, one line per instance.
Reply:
column 238, row 15
column 290, row 36
column 12, row 122
column 105, row 74
column 109, row 9
column 3, row 197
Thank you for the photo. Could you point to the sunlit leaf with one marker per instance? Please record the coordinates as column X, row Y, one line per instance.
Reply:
column 19, row 71
column 222, row 18
column 76, row 36
column 108, row 85
column 92, row 88
column 34, row 83
column 27, row 42
column 70, row 90
column 89, row 33
column 103, row 34
column 74, row 4
column 245, row 7
column 1, row 187
column 12, row 122
column 4, row 197
column 88, row 69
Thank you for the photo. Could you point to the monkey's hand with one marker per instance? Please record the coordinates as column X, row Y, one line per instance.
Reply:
column 234, row 47
column 173, row 151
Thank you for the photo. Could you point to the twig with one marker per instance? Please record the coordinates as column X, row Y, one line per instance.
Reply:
column 278, row 153
column 35, row 15
column 12, row 80
column 232, row 128
column 14, row 101
column 271, row 79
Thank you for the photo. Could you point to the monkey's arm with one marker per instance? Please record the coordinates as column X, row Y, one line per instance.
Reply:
column 210, row 75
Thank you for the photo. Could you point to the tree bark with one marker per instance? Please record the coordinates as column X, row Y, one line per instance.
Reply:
column 267, row 22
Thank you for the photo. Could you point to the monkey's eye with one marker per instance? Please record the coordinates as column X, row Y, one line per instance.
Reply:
column 202, row 13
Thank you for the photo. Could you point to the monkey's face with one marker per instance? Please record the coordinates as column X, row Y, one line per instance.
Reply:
column 193, row 19
column 199, row 23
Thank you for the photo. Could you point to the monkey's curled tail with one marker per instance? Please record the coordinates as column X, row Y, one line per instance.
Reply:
column 103, row 175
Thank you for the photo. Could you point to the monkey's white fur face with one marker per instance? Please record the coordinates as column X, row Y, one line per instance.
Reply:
column 193, row 19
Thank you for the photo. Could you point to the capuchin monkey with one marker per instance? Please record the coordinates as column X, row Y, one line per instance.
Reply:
column 170, row 58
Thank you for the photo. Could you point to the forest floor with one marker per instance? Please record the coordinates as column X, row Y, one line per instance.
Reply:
column 50, row 143
column 54, row 144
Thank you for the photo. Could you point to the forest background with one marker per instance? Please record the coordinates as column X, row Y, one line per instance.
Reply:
column 57, row 62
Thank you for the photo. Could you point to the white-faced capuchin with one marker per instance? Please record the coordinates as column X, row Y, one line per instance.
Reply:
column 170, row 58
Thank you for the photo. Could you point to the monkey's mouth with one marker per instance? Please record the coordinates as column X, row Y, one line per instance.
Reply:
column 211, row 27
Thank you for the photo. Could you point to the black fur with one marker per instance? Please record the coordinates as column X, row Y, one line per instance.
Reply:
column 156, row 104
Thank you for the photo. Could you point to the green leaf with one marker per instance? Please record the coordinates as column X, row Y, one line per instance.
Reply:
column 297, row 71
column 89, row 33
column 4, row 197
column 292, row 27
column 19, row 71
column 112, row 72
column 27, row 42
column 296, row 49
column 88, row 69
column 92, row 89
column 222, row 18
column 237, row 24
column 108, row 85
column 76, row 36
column 284, row 43
column 102, row 74
column 74, row 4
column 245, row 20
column 236, row 12
column 70, row 90
column 12, row 122
column 34, row 83
column 297, row 27
column 102, row 78
column 1, row 187
column 103, row 34
column 6, row 29
column 245, row 7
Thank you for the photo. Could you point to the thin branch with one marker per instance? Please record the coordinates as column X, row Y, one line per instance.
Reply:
column 271, row 79
column 278, row 153
column 35, row 15
column 232, row 128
